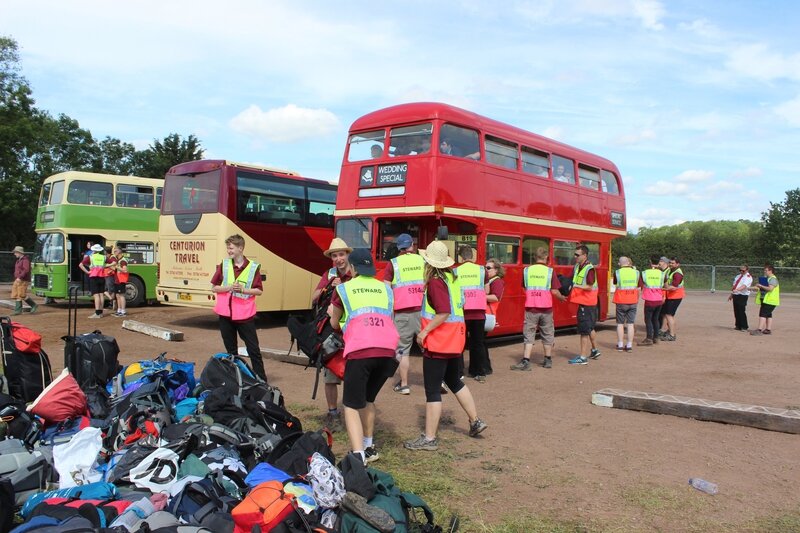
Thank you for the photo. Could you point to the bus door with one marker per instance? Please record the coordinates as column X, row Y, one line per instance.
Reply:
column 78, row 246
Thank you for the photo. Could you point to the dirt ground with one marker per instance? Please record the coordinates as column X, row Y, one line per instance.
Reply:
column 550, row 452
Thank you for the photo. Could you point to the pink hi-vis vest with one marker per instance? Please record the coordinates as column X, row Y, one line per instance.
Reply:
column 97, row 262
column 653, row 279
column 367, row 318
column 470, row 279
column 235, row 305
column 538, row 280
column 408, row 283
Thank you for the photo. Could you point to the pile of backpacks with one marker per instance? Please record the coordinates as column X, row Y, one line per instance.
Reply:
column 153, row 447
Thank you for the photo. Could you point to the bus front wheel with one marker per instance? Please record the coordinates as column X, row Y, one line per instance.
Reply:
column 134, row 292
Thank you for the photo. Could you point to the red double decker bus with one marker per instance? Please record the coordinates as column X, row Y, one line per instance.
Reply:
column 415, row 168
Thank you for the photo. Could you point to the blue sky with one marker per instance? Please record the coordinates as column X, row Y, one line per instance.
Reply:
column 697, row 102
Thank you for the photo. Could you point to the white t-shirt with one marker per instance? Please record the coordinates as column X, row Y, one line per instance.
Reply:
column 742, row 286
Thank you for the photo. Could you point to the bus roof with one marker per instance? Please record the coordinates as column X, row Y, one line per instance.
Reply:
column 207, row 165
column 95, row 176
column 419, row 111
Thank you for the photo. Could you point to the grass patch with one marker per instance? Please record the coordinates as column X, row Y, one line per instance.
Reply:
column 785, row 523
column 529, row 523
column 661, row 499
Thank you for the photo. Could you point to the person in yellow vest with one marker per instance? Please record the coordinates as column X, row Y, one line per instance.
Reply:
column 769, row 297
column 362, row 308
column 584, row 293
column 626, row 298
column 652, row 285
column 405, row 273
column 541, row 286
column 673, row 294
column 441, row 338
column 237, row 282
column 340, row 272
column 472, row 279
column 121, row 277
column 94, row 266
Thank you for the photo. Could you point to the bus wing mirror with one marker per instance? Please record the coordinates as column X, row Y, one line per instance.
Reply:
column 441, row 233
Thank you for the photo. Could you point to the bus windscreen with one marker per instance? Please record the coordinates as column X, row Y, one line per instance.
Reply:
column 191, row 194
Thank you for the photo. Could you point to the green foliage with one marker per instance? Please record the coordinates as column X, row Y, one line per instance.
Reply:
column 34, row 145
column 781, row 237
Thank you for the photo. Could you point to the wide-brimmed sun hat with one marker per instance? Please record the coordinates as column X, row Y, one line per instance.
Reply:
column 19, row 250
column 436, row 255
column 97, row 248
column 337, row 245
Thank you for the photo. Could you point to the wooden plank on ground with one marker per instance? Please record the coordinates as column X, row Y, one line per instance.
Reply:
column 296, row 358
column 153, row 331
column 11, row 304
column 770, row 418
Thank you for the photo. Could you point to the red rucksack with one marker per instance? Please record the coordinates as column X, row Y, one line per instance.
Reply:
column 25, row 339
column 266, row 506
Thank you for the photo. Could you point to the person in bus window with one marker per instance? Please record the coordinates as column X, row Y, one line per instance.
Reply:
column 376, row 151
column 561, row 175
column 237, row 283
column 446, row 147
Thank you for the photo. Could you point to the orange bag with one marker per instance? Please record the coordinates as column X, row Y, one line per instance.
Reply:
column 266, row 506
column 336, row 364
column 25, row 339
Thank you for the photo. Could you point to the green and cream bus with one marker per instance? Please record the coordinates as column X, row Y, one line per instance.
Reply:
column 77, row 209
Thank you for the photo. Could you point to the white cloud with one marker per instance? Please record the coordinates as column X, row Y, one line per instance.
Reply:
column 638, row 137
column 749, row 172
column 694, row 176
column 790, row 111
column 757, row 61
column 284, row 124
column 653, row 217
column 722, row 188
column 649, row 12
column 701, row 28
column 554, row 132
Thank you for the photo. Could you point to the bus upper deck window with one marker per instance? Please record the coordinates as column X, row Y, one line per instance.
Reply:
column 589, row 177
column 563, row 169
column 459, row 142
column 368, row 145
column 535, row 162
column 410, row 140
column 609, row 182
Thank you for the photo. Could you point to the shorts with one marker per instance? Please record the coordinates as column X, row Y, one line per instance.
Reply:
column 119, row 288
column 587, row 318
column 363, row 379
column 626, row 313
column 110, row 284
column 436, row 371
column 547, row 329
column 407, row 325
column 765, row 311
column 329, row 378
column 19, row 289
column 97, row 285
column 670, row 307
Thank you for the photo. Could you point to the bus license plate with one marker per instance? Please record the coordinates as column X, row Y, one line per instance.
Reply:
column 184, row 296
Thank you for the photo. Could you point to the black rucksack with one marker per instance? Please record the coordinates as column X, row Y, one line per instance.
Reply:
column 91, row 358
column 204, row 503
column 27, row 374
column 294, row 461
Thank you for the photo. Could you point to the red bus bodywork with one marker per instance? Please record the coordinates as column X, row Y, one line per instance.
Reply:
column 483, row 200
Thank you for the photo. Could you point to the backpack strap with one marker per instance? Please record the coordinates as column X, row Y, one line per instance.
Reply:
column 411, row 502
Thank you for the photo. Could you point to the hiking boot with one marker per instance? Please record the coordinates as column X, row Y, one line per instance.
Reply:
column 594, row 354
column 477, row 427
column 422, row 443
column 402, row 389
column 670, row 337
column 548, row 362
column 578, row 360
column 370, row 455
column 661, row 334
column 524, row 365
column 646, row 342
column 333, row 421
column 374, row 516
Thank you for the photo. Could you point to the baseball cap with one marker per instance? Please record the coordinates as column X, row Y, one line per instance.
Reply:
column 361, row 259
column 404, row 241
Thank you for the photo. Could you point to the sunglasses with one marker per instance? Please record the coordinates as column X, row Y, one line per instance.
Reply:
column 490, row 267
column 577, row 255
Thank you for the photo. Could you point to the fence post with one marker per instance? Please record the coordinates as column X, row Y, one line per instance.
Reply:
column 713, row 278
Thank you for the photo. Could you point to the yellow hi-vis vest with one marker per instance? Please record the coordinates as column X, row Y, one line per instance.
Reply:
column 235, row 305
column 627, row 291
column 408, row 283
column 538, row 279
column 449, row 336
column 470, row 279
column 583, row 296
column 367, row 318
column 772, row 297
column 653, row 279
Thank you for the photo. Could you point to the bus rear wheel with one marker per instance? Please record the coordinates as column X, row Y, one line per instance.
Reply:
column 134, row 292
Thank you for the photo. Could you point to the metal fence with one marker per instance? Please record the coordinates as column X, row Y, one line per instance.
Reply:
column 720, row 277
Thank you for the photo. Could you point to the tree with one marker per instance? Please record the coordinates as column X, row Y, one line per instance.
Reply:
column 781, row 237
column 161, row 156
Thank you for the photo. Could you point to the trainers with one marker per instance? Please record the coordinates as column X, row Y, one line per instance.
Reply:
column 595, row 353
column 629, row 349
column 402, row 389
column 95, row 315
column 524, row 365
column 661, row 334
column 756, row 332
column 422, row 443
column 333, row 421
column 480, row 379
column 371, row 455
column 767, row 332
column 374, row 516
column 669, row 337
column 646, row 342
column 579, row 360
column 548, row 362
column 620, row 348
column 477, row 427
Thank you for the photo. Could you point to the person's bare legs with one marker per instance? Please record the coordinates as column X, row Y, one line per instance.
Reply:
column 332, row 395
column 402, row 369
column 355, row 430
column 467, row 402
column 433, row 412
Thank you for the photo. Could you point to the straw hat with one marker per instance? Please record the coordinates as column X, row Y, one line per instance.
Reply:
column 436, row 255
column 19, row 250
column 97, row 248
column 337, row 245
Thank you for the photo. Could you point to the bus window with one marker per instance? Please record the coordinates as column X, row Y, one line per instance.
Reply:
column 356, row 232
column 460, row 142
column 49, row 248
column 529, row 246
column 159, row 194
column 360, row 145
column 91, row 193
column 321, row 204
column 505, row 249
column 134, row 196
column 57, row 196
column 589, row 177
column 501, row 152
column 139, row 253
column 563, row 252
column 563, row 169
column 609, row 182
column 192, row 193
column 410, row 140
column 388, row 230
column 535, row 162
column 266, row 199
column 45, row 198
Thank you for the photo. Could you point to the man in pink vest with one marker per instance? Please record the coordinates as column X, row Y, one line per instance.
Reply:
column 236, row 283
column 541, row 285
